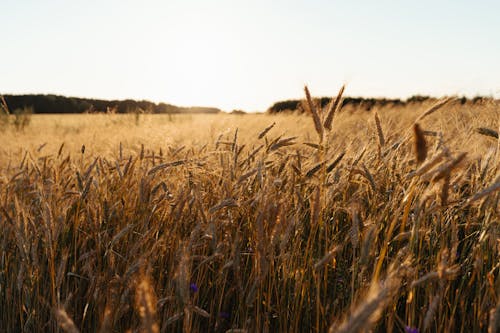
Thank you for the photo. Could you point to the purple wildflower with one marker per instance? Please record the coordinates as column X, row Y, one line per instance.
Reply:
column 409, row 329
column 193, row 287
column 224, row 315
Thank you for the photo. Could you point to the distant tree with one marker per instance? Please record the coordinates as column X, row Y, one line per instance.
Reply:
column 288, row 105
column 478, row 100
column 238, row 112
column 417, row 99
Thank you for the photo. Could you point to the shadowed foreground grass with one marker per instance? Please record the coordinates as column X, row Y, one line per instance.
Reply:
column 214, row 223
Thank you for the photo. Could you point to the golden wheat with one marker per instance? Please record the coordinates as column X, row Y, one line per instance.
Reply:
column 218, row 223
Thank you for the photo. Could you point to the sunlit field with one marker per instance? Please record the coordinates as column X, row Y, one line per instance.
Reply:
column 336, row 220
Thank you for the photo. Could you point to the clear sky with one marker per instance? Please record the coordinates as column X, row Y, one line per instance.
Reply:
column 248, row 54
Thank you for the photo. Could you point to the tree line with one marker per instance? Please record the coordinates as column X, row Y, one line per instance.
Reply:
column 43, row 104
column 47, row 104
column 362, row 103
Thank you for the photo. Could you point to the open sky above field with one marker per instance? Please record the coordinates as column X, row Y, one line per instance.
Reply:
column 248, row 54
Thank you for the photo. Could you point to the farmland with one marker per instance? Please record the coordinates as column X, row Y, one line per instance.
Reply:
column 338, row 220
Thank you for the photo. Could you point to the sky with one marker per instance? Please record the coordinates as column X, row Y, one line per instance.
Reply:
column 248, row 54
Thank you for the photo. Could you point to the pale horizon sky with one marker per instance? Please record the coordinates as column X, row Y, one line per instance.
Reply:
column 236, row 54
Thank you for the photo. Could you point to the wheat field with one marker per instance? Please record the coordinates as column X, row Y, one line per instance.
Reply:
column 337, row 220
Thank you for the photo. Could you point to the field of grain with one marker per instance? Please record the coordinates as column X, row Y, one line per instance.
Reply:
column 332, row 221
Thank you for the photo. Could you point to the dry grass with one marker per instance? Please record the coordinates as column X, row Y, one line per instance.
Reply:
column 252, row 223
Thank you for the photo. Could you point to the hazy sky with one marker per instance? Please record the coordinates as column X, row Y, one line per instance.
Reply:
column 248, row 54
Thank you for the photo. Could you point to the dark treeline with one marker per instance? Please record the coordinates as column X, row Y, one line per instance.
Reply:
column 44, row 104
column 359, row 102
column 61, row 104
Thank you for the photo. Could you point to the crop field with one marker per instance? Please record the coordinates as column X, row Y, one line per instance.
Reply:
column 335, row 220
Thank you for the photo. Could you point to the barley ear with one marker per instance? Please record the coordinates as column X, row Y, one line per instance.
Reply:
column 267, row 129
column 487, row 132
column 438, row 105
column 380, row 133
column 334, row 107
column 314, row 111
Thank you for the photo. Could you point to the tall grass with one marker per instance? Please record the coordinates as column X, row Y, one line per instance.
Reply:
column 377, row 223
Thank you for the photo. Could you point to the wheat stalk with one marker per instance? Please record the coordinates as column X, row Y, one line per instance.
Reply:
column 420, row 143
column 335, row 105
column 368, row 312
column 438, row 105
column 380, row 133
column 65, row 322
column 266, row 130
column 145, row 302
column 487, row 132
column 314, row 112
column 494, row 325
